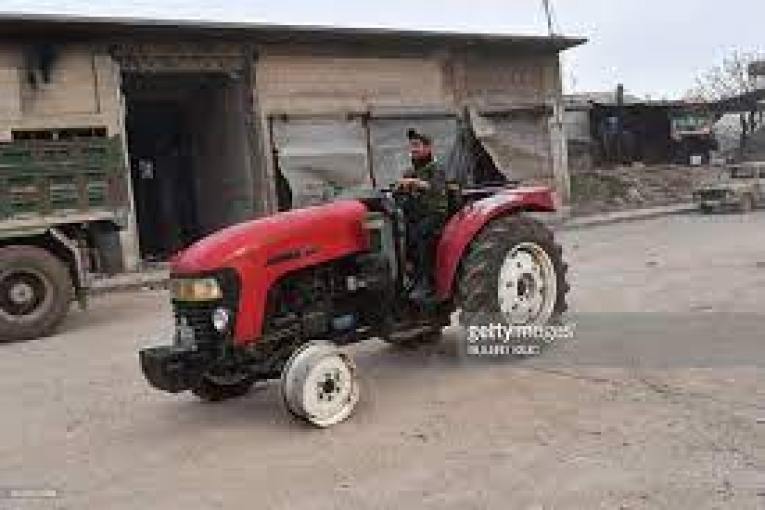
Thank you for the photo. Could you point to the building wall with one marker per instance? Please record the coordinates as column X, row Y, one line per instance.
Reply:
column 310, row 84
column 516, row 95
column 83, row 91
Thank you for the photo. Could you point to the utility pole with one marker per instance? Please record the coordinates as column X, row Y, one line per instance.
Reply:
column 548, row 15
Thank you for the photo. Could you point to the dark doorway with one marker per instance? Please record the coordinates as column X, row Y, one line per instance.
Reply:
column 162, row 179
column 188, row 155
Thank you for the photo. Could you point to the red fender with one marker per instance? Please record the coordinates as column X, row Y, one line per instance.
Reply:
column 463, row 227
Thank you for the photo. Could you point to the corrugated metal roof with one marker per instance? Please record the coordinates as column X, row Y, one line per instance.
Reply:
column 17, row 25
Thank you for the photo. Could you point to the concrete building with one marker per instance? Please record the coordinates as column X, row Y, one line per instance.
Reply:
column 757, row 72
column 217, row 118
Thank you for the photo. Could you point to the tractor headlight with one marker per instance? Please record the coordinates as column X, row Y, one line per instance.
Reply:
column 221, row 318
column 195, row 289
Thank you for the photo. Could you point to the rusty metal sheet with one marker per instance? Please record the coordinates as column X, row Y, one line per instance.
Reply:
column 518, row 142
column 321, row 158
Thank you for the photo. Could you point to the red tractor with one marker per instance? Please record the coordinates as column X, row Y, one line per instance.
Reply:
column 276, row 297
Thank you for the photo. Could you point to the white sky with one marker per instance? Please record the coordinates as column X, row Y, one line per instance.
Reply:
column 654, row 47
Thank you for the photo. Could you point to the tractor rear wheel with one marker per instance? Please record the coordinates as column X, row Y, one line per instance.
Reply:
column 35, row 292
column 513, row 274
column 319, row 384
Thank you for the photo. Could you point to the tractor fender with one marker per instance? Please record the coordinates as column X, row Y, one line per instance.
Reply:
column 462, row 228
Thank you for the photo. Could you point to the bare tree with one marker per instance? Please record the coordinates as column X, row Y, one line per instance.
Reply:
column 730, row 78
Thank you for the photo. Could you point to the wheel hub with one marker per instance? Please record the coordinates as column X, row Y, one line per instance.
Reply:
column 23, row 294
column 527, row 285
column 330, row 387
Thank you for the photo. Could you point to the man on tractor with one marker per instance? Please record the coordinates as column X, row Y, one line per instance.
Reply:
column 426, row 211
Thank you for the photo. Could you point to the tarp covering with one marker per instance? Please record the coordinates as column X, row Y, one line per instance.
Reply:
column 468, row 163
column 321, row 157
column 518, row 142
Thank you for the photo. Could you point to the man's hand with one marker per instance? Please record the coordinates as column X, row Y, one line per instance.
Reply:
column 412, row 183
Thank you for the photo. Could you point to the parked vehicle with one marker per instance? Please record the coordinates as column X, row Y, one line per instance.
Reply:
column 741, row 187
column 61, row 206
column 275, row 297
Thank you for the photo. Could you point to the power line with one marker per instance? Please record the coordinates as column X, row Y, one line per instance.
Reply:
column 548, row 15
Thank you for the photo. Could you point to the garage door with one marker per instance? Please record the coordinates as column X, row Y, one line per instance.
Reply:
column 518, row 142
column 321, row 158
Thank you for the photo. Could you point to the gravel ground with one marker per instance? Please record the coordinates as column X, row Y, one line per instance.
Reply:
column 656, row 403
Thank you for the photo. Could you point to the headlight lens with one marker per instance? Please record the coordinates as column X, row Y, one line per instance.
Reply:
column 220, row 319
column 195, row 289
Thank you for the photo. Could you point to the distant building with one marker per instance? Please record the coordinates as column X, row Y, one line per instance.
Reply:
column 602, row 131
column 757, row 71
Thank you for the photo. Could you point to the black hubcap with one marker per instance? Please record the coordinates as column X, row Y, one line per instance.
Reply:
column 21, row 293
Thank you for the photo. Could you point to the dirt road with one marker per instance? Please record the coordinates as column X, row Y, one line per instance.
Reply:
column 658, row 402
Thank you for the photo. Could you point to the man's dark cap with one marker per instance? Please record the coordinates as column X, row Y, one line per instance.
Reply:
column 413, row 134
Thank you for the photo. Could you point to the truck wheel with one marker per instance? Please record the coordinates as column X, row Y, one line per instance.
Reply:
column 319, row 384
column 35, row 292
column 514, row 274
column 217, row 389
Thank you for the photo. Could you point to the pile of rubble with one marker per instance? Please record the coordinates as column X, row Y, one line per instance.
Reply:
column 637, row 186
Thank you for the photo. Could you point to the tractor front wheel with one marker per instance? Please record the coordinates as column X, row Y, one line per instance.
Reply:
column 513, row 274
column 319, row 384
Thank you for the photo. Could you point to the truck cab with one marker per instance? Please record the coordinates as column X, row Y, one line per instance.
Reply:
column 740, row 186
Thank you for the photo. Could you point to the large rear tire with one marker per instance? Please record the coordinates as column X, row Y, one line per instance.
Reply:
column 36, row 292
column 514, row 274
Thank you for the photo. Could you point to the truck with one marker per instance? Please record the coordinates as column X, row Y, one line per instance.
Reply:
column 62, row 205
column 740, row 187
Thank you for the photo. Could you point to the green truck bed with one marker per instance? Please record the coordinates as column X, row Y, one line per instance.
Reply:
column 47, row 183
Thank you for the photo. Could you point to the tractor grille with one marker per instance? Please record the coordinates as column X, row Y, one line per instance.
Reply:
column 198, row 315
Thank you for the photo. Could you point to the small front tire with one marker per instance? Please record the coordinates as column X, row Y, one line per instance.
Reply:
column 320, row 385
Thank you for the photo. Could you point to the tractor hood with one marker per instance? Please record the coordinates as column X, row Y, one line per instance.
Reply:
column 321, row 232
